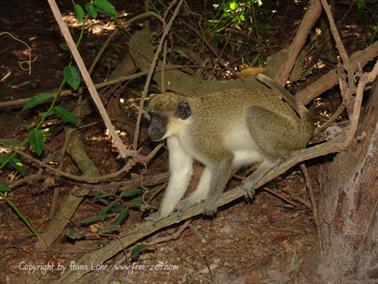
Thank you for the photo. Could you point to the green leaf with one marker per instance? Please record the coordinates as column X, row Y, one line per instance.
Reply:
column 19, row 214
column 118, row 222
column 233, row 6
column 36, row 140
column 137, row 250
column 105, row 7
column 74, row 234
column 64, row 46
column 79, row 12
column 91, row 10
column 4, row 157
column 136, row 203
column 117, row 208
column 72, row 76
column 10, row 142
column 98, row 217
column 101, row 215
column 108, row 208
column 37, row 100
column 4, row 187
column 104, row 198
column 131, row 192
column 65, row 115
column 123, row 215
column 16, row 164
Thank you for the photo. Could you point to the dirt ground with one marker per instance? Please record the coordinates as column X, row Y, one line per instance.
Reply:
column 268, row 240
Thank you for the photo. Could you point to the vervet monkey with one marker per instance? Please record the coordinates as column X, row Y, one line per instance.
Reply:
column 224, row 131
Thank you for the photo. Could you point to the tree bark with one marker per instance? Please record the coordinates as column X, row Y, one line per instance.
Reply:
column 348, row 207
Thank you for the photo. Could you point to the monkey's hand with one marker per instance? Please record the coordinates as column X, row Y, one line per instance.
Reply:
column 209, row 207
column 154, row 217
column 183, row 205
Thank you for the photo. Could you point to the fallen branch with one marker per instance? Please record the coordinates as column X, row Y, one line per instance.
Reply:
column 147, row 228
column 82, row 178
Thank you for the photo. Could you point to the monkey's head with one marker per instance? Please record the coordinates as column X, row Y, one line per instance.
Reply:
column 168, row 113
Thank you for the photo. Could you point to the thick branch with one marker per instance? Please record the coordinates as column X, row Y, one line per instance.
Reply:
column 309, row 20
column 327, row 81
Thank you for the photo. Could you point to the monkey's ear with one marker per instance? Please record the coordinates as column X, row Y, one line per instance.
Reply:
column 183, row 110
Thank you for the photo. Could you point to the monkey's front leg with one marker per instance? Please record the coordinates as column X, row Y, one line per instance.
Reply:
column 220, row 174
column 180, row 167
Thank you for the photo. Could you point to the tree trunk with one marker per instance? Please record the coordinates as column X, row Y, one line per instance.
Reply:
column 348, row 206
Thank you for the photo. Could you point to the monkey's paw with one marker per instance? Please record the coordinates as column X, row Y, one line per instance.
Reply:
column 210, row 209
column 249, row 190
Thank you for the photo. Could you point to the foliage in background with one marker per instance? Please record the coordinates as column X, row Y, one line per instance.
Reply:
column 35, row 137
column 234, row 13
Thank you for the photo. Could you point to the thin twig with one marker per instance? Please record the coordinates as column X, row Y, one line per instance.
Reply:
column 297, row 198
column 150, row 73
column 342, row 51
column 101, row 51
column 20, row 63
column 21, row 102
column 364, row 79
column 174, row 236
column 84, row 178
column 326, row 124
column 313, row 206
column 114, row 33
column 279, row 196
column 336, row 36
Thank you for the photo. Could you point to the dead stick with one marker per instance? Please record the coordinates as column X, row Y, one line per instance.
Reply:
column 313, row 206
column 308, row 21
column 364, row 79
column 123, row 152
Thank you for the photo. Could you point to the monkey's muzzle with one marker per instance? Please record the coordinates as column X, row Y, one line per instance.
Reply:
column 158, row 127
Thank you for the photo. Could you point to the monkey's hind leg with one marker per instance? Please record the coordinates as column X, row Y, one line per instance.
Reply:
column 272, row 134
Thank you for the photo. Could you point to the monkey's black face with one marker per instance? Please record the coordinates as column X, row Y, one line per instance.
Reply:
column 158, row 126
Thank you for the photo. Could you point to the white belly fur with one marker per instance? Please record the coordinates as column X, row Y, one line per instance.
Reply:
column 240, row 142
